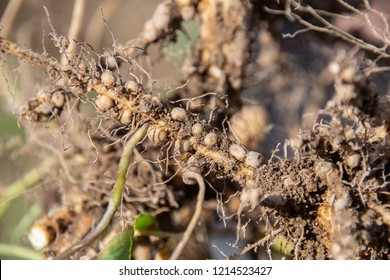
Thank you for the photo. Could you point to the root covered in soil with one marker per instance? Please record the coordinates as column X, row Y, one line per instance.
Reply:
column 330, row 200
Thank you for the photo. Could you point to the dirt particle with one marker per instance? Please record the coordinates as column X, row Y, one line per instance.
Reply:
column 353, row 161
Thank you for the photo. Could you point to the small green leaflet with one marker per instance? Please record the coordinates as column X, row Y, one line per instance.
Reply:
column 145, row 222
column 120, row 247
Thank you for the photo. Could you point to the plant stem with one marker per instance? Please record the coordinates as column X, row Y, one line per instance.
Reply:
column 116, row 195
column 19, row 252
column 32, row 214
column 18, row 187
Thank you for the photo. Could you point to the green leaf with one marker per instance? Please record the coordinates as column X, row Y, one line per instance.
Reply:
column 120, row 247
column 145, row 222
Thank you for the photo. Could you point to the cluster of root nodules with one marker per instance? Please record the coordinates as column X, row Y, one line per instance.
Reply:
column 338, row 184
column 330, row 201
